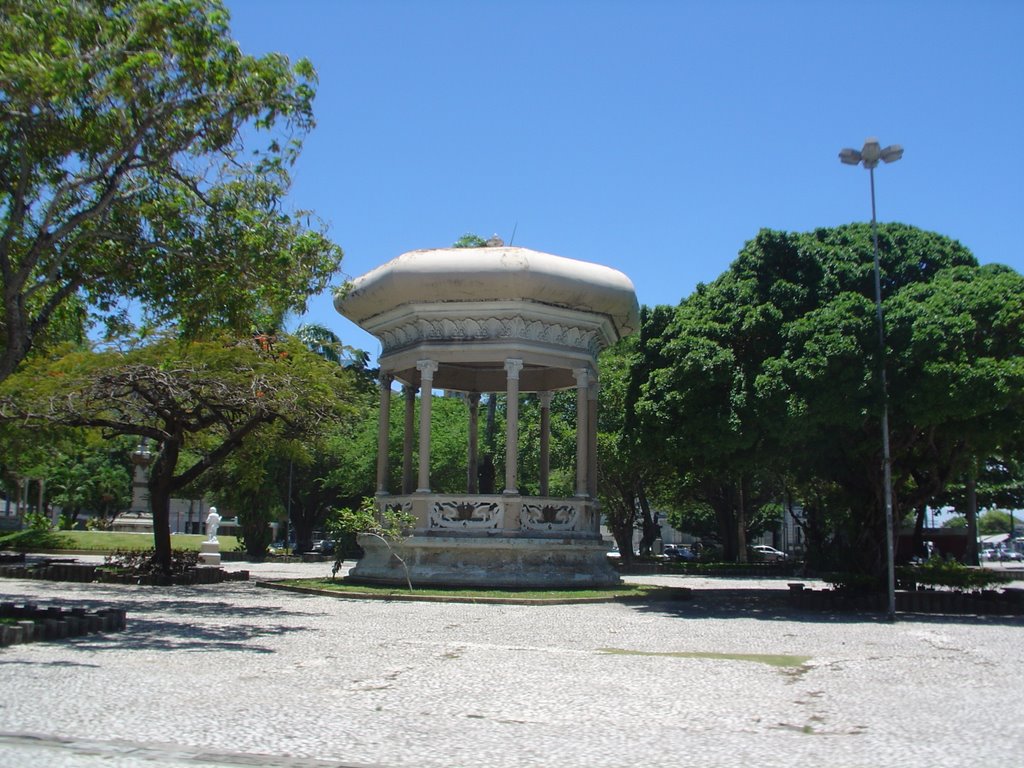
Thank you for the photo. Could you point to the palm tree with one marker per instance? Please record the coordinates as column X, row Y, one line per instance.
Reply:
column 321, row 341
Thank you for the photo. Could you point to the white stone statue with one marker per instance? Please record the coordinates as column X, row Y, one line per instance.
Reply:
column 212, row 522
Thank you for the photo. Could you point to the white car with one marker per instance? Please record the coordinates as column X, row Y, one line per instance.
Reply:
column 768, row 554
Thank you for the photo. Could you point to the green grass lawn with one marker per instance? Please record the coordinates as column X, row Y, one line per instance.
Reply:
column 622, row 591
column 108, row 541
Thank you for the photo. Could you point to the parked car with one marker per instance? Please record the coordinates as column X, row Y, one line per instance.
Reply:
column 1006, row 555
column 768, row 554
column 323, row 547
column 614, row 553
column 679, row 552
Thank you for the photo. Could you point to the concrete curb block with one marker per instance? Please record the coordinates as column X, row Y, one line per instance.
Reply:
column 85, row 573
column 1010, row 602
column 34, row 623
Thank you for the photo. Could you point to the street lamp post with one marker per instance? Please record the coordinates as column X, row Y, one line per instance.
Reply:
column 869, row 157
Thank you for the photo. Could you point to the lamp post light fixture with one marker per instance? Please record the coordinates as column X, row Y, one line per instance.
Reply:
column 869, row 156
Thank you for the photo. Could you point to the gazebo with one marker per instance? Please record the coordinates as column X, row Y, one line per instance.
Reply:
column 497, row 319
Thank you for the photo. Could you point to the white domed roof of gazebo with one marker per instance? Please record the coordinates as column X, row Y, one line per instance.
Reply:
column 502, row 273
column 473, row 305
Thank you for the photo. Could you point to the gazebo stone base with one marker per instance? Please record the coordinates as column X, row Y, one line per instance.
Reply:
column 486, row 562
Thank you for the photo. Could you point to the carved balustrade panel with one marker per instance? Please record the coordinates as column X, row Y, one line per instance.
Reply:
column 553, row 515
column 466, row 514
column 403, row 506
column 487, row 514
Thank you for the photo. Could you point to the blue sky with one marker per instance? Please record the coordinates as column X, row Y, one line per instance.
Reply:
column 654, row 137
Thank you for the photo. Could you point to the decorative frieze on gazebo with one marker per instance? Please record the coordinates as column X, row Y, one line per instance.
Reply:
column 491, row 320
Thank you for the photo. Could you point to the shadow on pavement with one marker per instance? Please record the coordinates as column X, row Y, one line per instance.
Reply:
column 197, row 624
column 169, row 635
column 774, row 605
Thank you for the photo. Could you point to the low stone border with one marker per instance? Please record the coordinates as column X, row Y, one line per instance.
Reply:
column 33, row 623
column 57, row 570
column 1009, row 602
column 195, row 576
column 669, row 593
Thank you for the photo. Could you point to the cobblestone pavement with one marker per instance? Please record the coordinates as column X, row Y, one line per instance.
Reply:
column 238, row 675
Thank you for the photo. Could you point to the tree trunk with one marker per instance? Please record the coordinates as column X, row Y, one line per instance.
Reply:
column 256, row 529
column 624, row 541
column 161, row 486
column 651, row 529
column 726, row 529
column 741, row 524
column 971, row 555
column 160, row 507
column 622, row 526
column 17, row 340
column 917, row 544
column 303, row 528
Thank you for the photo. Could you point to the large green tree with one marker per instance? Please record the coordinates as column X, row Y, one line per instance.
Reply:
column 130, row 171
column 79, row 469
column 306, row 467
column 626, row 473
column 773, row 370
column 90, row 477
column 999, row 484
column 198, row 402
column 991, row 522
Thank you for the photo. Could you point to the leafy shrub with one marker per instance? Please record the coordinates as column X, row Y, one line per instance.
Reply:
column 37, row 522
column 99, row 524
column 343, row 524
column 31, row 539
column 938, row 572
column 35, row 535
column 254, row 536
column 144, row 562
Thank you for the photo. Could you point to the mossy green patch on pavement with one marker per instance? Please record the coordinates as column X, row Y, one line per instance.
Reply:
column 772, row 659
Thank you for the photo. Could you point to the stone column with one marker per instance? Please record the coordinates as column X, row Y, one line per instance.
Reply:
column 512, row 368
column 427, row 368
column 383, row 432
column 545, row 441
column 592, row 391
column 474, row 434
column 582, row 376
column 141, row 458
column 407, row 439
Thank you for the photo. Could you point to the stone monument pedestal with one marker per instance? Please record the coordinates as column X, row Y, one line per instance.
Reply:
column 209, row 553
column 483, row 562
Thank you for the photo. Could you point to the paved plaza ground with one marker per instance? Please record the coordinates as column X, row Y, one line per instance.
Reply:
column 238, row 675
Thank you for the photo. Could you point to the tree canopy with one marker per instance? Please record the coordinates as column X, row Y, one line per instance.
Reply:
column 128, row 172
column 769, row 375
column 197, row 402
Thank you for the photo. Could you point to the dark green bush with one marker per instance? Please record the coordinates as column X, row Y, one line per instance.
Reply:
column 30, row 539
column 143, row 563
column 937, row 572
